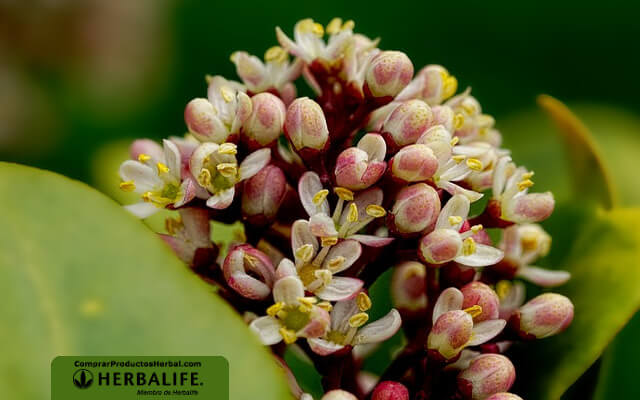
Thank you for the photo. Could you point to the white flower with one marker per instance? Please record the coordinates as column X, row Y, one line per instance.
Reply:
column 309, row 44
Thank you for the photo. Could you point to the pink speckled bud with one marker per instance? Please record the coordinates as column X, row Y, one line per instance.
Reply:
column 407, row 123
column 487, row 374
column 477, row 293
column 408, row 287
column 416, row 209
column 305, row 125
column 263, row 194
column 543, row 316
column 359, row 167
column 440, row 246
column 388, row 73
column 443, row 115
column 449, row 335
column 249, row 272
column 203, row 122
column 532, row 207
column 414, row 163
column 264, row 125
column 504, row 396
column 338, row 394
column 390, row 390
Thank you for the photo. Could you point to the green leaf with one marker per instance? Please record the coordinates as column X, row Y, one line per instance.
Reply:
column 79, row 276
column 605, row 289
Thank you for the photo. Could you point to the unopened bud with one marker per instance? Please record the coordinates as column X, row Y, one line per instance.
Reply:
column 504, row 396
column 338, row 394
column 407, row 122
column 203, row 122
column 388, row 73
column 532, row 207
column 264, row 125
column 390, row 390
column 440, row 246
column 263, row 194
column 305, row 125
column 416, row 209
column 414, row 163
column 359, row 167
column 249, row 272
column 477, row 293
column 449, row 335
column 487, row 374
column 408, row 287
column 545, row 315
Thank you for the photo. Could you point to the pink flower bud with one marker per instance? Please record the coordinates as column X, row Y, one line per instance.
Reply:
column 408, row 287
column 264, row 125
column 543, row 316
column 504, row 396
column 440, row 246
column 477, row 293
column 407, row 122
column 443, row 115
column 305, row 125
column 433, row 84
column 263, row 194
column 390, row 390
column 203, row 122
column 249, row 272
column 532, row 207
column 487, row 374
column 388, row 73
column 359, row 167
column 449, row 335
column 416, row 209
column 414, row 163
column 338, row 394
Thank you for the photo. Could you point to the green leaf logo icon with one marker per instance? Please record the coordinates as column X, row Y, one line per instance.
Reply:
column 82, row 378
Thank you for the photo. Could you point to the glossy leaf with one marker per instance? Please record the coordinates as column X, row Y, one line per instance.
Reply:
column 79, row 276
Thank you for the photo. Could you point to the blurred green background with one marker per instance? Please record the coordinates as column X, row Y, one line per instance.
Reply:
column 76, row 76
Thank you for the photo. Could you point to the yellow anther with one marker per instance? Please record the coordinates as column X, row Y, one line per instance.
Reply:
column 359, row 319
column 251, row 260
column 336, row 263
column 468, row 246
column 469, row 109
column 458, row 120
column 277, row 54
column 454, row 141
column 304, row 252
column 318, row 29
column 475, row 164
column 208, row 78
column 228, row 148
column 343, row 193
column 334, row 26
column 348, row 25
column 527, row 183
column 143, row 157
column 503, row 288
column 275, row 308
column 146, row 196
column 324, row 275
column 474, row 311
column 282, row 314
column 325, row 305
column 458, row 159
column 288, row 335
column 477, row 228
column 319, row 197
column 528, row 175
column 449, row 86
column 329, row 241
column 375, row 211
column 163, row 169
column 227, row 170
column 454, row 220
column 308, row 301
column 204, row 177
column 128, row 186
column 308, row 26
column 353, row 213
column 227, row 94
column 363, row 301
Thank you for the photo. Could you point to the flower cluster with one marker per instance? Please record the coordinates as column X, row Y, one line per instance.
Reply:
column 382, row 169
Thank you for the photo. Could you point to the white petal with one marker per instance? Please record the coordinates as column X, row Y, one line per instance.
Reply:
column 301, row 235
column 322, row 225
column 341, row 312
column 188, row 190
column 349, row 249
column 486, row 330
column 248, row 286
column 254, row 162
column 500, row 176
column 374, row 145
column 196, row 162
column 286, row 268
column 371, row 240
column 457, row 205
column 379, row 330
column 308, row 185
column 196, row 225
column 483, row 256
column 454, row 189
column 243, row 110
column 449, row 300
column 372, row 196
column 144, row 177
column 340, row 288
column 172, row 158
column 288, row 290
column 323, row 347
column 544, row 277
column 268, row 330
column 142, row 209
column 466, row 356
column 456, row 172
column 222, row 200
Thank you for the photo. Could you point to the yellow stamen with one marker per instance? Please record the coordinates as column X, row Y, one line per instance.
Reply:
column 334, row 26
column 527, row 183
column 458, row 120
column 375, row 211
column 363, row 301
column 275, row 308
column 282, row 314
column 304, row 252
column 503, row 288
column 251, row 260
column 359, row 319
column 458, row 159
column 329, row 241
column 308, row 26
column 288, row 335
column 468, row 246
column 455, row 220
column 163, row 169
column 353, row 213
column 477, row 228
column 308, row 301
column 227, row 170
column 343, row 193
column 319, row 197
column 324, row 275
column 227, row 94
column 325, row 305
column 143, row 157
column 349, row 25
column 336, row 263
column 475, row 164
column 454, row 141
column 277, row 54
column 204, row 177
column 528, row 175
column 128, row 186
column 146, row 196
column 474, row 311
column 228, row 148
column 449, row 86
column 208, row 78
